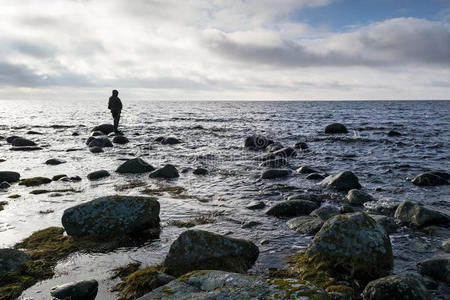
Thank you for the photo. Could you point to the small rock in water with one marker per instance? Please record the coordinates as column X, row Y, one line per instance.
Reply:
column 4, row 185
column 35, row 181
column 257, row 142
column 317, row 199
column 292, row 208
column 54, row 161
column 256, row 205
column 34, row 132
column 170, row 141
column 9, row 176
column 11, row 259
column 105, row 128
column 58, row 177
column 394, row 133
column 81, row 290
column 100, row 142
column 305, row 170
column 25, row 148
column 314, row 176
column 90, row 139
column 305, row 224
column 21, row 142
column 396, row 287
column 388, row 223
column 11, row 138
column 343, row 181
column 168, row 171
column 325, row 212
column 200, row 171
column 275, row 173
column 98, row 175
column 135, row 166
column 438, row 268
column 120, row 139
column 75, row 133
column 357, row 197
column 287, row 152
column 300, row 145
column 336, row 128
column 417, row 215
column 96, row 149
column 431, row 179
column 97, row 133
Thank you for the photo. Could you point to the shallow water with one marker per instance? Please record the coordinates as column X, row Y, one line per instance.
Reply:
column 212, row 134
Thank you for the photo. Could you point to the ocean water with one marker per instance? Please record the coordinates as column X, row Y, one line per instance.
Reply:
column 212, row 135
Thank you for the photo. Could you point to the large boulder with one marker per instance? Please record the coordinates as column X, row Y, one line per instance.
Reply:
column 352, row 245
column 135, row 166
column 11, row 259
column 396, row 287
column 418, row 215
column 233, row 286
column 343, row 181
column 81, row 290
column 438, row 268
column 431, row 178
column 100, row 142
column 21, row 142
column 98, row 175
column 105, row 128
column 336, row 128
column 9, row 176
column 257, row 142
column 305, row 224
column 111, row 215
column 168, row 171
column 275, row 173
column 357, row 197
column 292, row 208
column 198, row 249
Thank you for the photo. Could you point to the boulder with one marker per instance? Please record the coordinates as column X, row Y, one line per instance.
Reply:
column 305, row 170
column 200, row 171
column 81, row 290
column 105, row 128
column 21, row 142
column 336, row 128
column 305, row 224
column 170, row 141
column 198, row 249
column 256, row 205
column 96, row 149
column 275, row 173
column 100, row 142
column 34, row 181
column 438, row 268
column 135, row 166
column 314, row 176
column 357, row 197
column 11, row 138
column 388, row 223
column 292, row 208
column 257, row 142
column 431, row 179
column 168, row 171
column 274, row 163
column 233, row 286
column 97, row 133
column 396, row 287
column 11, row 259
column 325, row 212
column 9, row 176
column 54, row 162
column 98, row 175
column 120, row 139
column 353, row 245
column 419, row 216
column 301, row 145
column 392, row 133
column 343, row 181
column 4, row 185
column 111, row 215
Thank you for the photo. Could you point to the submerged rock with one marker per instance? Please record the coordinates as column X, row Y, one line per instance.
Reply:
column 25, row 148
column 256, row 205
column 275, row 173
column 305, row 224
column 35, row 181
column 168, row 171
column 54, row 161
column 325, row 212
column 357, row 197
column 11, row 259
column 100, row 142
column 393, row 133
column 274, row 147
column 111, row 215
column 343, row 181
column 396, row 287
column 81, row 290
column 4, row 185
column 9, row 176
column 317, row 199
column 292, row 208
column 200, row 171
column 198, row 249
column 233, row 286
column 417, row 215
column 21, row 142
column 300, row 145
column 438, row 268
column 336, row 128
column 97, row 133
column 135, row 166
column 305, row 170
column 120, row 139
column 98, row 175
column 257, row 142
column 170, row 141
column 431, row 179
column 287, row 152
column 105, row 128
column 352, row 245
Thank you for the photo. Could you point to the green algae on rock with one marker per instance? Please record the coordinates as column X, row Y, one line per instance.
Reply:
column 34, row 181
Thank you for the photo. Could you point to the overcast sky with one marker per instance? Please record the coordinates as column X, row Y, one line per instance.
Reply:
column 225, row 49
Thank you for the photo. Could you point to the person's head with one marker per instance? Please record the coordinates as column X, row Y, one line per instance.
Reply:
column 115, row 93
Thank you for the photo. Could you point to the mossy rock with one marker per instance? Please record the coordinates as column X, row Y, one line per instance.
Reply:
column 35, row 181
column 396, row 287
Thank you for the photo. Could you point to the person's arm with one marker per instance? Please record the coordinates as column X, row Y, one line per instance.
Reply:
column 120, row 103
column 109, row 103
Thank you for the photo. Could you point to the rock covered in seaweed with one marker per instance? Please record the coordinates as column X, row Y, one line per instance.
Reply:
column 343, row 181
column 396, row 287
column 198, row 249
column 135, row 166
column 111, row 215
column 233, row 286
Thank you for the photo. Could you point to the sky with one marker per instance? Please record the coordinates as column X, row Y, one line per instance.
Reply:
column 225, row 49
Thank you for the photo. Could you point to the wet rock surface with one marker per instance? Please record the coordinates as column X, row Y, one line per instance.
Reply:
column 417, row 215
column 396, row 287
column 11, row 259
column 135, row 166
column 81, row 290
column 343, row 181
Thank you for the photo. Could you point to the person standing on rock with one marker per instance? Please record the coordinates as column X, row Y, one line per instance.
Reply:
column 115, row 105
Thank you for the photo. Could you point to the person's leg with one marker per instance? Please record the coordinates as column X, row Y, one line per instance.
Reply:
column 115, row 115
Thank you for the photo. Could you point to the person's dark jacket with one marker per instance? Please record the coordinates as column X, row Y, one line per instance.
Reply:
column 114, row 103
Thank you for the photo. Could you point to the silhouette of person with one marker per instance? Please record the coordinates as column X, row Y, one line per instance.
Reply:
column 115, row 105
